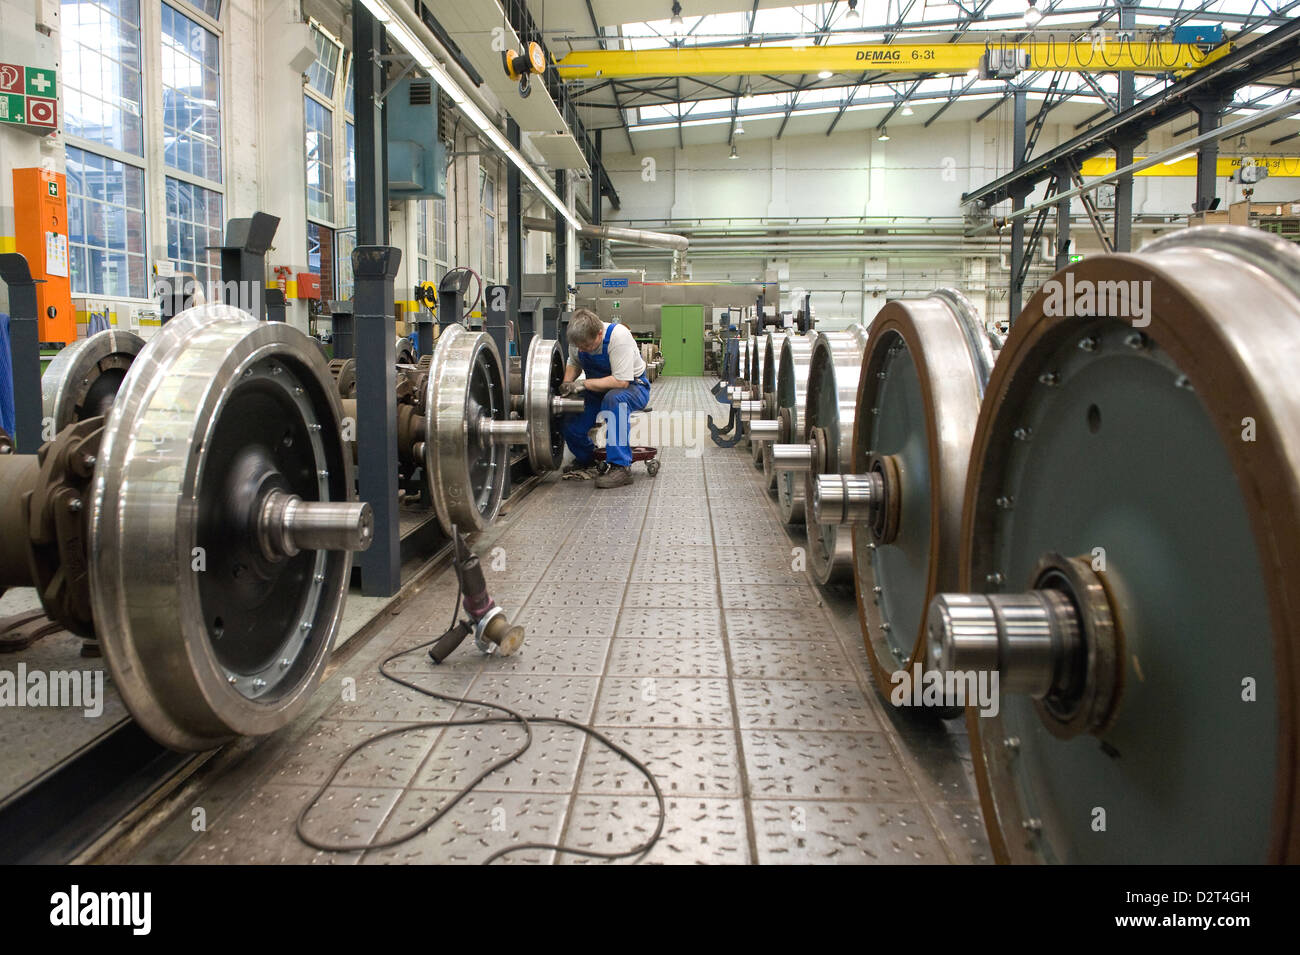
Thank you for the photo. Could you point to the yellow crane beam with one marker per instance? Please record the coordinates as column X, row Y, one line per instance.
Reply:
column 1278, row 166
column 1151, row 56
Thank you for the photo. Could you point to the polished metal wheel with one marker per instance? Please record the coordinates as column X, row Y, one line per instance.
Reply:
column 1134, row 508
column 83, row 379
column 791, row 396
column 465, row 458
column 221, row 528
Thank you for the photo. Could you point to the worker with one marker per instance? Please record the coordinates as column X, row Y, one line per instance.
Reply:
column 615, row 384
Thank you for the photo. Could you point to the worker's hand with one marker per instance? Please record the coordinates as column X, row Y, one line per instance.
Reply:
column 571, row 388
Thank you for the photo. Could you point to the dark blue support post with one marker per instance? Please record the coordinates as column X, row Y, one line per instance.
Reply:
column 497, row 313
column 25, row 349
column 375, row 268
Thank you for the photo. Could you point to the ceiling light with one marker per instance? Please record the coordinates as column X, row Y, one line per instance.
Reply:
column 1032, row 15
column 740, row 127
column 734, row 154
column 853, row 18
column 908, row 111
column 675, row 24
column 825, row 75
column 1241, row 143
column 973, row 74
column 884, row 135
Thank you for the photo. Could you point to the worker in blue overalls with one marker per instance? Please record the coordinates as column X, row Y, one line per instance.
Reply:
column 615, row 386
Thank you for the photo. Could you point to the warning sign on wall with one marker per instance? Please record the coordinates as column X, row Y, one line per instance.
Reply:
column 29, row 97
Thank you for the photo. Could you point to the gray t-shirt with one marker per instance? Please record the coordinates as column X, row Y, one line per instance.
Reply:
column 625, row 361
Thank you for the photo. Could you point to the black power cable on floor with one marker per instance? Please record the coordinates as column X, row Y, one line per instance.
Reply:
column 513, row 717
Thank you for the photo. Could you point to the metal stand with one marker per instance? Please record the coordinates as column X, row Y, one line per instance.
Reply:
column 375, row 268
column 342, row 333
column 275, row 305
column 243, row 262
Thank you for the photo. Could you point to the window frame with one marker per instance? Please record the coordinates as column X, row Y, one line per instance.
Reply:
column 151, row 162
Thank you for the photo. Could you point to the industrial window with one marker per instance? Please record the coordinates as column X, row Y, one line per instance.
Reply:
column 102, row 84
column 320, row 160
column 487, row 194
column 439, row 239
column 211, row 7
column 345, row 242
column 320, row 257
column 421, row 240
column 349, row 174
column 106, row 238
column 191, row 87
column 323, row 73
column 348, row 98
column 194, row 223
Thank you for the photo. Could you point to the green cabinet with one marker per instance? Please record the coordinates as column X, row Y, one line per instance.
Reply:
column 681, row 339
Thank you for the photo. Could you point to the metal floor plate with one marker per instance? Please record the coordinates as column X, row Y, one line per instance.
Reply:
column 674, row 614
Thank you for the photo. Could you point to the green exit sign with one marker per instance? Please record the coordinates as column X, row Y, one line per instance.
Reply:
column 1076, row 258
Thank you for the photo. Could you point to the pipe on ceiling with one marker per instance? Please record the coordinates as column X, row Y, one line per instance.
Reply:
column 654, row 240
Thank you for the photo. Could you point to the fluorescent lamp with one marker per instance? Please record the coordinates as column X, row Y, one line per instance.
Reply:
column 1178, row 159
column 825, row 75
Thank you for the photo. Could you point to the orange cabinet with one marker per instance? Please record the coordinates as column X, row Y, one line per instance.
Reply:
column 41, row 224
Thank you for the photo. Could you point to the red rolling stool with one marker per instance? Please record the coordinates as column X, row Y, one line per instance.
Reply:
column 640, row 452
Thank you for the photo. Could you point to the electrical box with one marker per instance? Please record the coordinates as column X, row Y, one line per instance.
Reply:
column 1200, row 35
column 41, row 227
column 417, row 158
column 309, row 285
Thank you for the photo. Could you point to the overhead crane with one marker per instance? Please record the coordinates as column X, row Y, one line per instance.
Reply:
column 1000, row 59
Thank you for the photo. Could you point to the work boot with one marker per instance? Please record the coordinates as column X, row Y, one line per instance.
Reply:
column 618, row 475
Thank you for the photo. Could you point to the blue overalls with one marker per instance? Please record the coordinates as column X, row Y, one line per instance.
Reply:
column 617, row 406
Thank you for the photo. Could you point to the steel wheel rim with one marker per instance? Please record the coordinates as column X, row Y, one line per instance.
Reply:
column 149, row 483
column 1201, row 336
column 792, row 393
column 830, row 405
column 466, row 475
column 544, row 372
column 82, row 378
column 922, row 366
